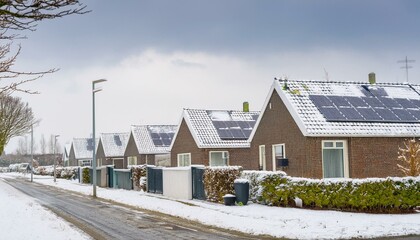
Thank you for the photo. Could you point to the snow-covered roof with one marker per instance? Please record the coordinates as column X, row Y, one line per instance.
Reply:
column 153, row 139
column 296, row 96
column 114, row 144
column 203, row 125
column 83, row 147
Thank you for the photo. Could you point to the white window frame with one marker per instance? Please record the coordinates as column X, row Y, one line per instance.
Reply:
column 99, row 162
column 345, row 155
column 225, row 154
column 262, row 157
column 274, row 154
column 132, row 159
column 181, row 157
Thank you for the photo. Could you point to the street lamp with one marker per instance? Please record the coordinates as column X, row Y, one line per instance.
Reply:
column 94, row 90
column 55, row 142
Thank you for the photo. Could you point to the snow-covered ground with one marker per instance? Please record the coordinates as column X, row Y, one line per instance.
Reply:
column 258, row 219
column 23, row 218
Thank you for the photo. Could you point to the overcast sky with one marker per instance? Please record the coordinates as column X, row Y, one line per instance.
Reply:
column 162, row 56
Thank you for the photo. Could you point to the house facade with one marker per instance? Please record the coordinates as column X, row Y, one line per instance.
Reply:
column 111, row 148
column 214, row 138
column 149, row 144
column 81, row 151
column 323, row 129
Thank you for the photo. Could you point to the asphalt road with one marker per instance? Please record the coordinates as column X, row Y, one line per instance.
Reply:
column 105, row 220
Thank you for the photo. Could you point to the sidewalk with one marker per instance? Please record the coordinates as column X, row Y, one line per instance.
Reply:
column 257, row 219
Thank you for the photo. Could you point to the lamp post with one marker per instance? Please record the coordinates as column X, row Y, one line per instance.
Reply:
column 32, row 153
column 94, row 90
column 55, row 142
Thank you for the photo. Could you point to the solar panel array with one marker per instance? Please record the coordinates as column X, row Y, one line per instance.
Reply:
column 234, row 130
column 161, row 139
column 117, row 140
column 376, row 107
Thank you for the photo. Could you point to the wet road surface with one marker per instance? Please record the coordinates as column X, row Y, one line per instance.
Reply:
column 105, row 220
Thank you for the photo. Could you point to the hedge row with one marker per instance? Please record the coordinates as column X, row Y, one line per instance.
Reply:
column 219, row 181
column 388, row 195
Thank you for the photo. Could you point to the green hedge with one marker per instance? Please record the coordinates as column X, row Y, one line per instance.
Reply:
column 388, row 195
column 219, row 181
column 86, row 175
column 254, row 178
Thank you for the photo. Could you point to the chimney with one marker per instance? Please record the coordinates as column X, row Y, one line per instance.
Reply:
column 372, row 78
column 246, row 107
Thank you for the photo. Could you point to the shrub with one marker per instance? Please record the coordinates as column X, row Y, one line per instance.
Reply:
column 254, row 178
column 68, row 172
column 219, row 181
column 139, row 171
column 86, row 175
column 387, row 195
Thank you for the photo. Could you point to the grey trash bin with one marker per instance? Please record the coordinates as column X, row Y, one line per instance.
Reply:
column 241, row 191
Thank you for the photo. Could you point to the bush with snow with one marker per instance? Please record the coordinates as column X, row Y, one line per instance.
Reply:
column 386, row 195
column 219, row 181
column 139, row 172
column 254, row 178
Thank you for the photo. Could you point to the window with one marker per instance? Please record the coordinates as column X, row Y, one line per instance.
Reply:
column 84, row 163
column 262, row 157
column 184, row 159
column 334, row 159
column 132, row 160
column 278, row 153
column 219, row 158
column 99, row 162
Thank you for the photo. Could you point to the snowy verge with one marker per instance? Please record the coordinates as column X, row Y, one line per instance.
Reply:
column 258, row 219
column 23, row 218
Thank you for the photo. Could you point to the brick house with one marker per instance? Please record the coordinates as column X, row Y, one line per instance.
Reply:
column 214, row 138
column 81, row 151
column 321, row 129
column 111, row 148
column 149, row 144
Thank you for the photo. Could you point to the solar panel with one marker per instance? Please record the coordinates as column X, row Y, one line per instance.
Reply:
column 404, row 115
column 332, row 114
column 219, row 124
column 171, row 135
column 238, row 134
column 154, row 135
column 255, row 117
column 356, row 101
column 415, row 113
column 117, row 140
column 389, row 102
column 351, row 114
column 232, row 124
column 320, row 101
column 224, row 134
column 416, row 102
column 339, row 101
column 373, row 102
column 369, row 114
column 244, row 124
column 405, row 103
column 157, row 142
column 166, row 141
column 377, row 91
column 247, row 133
column 387, row 115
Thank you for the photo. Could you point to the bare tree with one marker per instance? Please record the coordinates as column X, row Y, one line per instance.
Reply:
column 409, row 156
column 43, row 144
column 16, row 118
column 21, row 15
